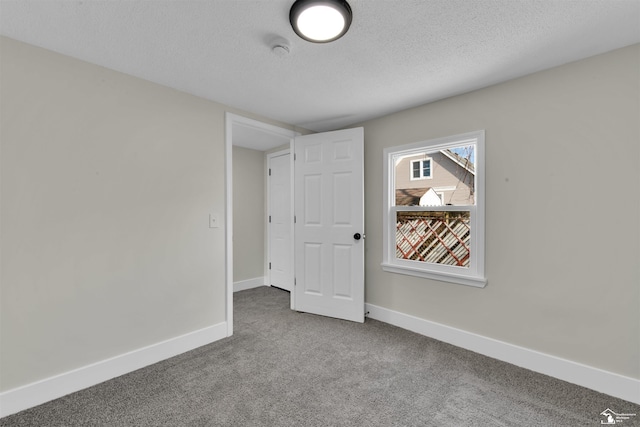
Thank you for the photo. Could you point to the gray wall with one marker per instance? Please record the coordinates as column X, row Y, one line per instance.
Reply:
column 563, row 274
column 107, row 185
column 248, row 214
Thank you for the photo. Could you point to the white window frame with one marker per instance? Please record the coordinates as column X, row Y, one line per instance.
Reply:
column 472, row 275
column 421, row 169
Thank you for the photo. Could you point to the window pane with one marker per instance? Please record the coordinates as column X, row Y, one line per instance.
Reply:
column 426, row 168
column 445, row 176
column 465, row 154
column 461, row 163
column 416, row 169
column 439, row 237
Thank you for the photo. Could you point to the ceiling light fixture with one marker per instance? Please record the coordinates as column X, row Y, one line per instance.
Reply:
column 320, row 21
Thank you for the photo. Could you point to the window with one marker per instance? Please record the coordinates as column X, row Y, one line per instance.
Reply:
column 421, row 169
column 442, row 241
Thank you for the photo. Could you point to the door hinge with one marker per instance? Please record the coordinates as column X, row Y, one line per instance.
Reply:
column 269, row 218
column 294, row 281
column 294, row 157
column 269, row 171
column 269, row 266
column 295, row 219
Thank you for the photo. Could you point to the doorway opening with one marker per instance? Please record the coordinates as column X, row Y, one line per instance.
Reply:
column 247, row 197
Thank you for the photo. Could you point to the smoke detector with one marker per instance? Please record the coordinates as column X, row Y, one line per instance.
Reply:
column 280, row 49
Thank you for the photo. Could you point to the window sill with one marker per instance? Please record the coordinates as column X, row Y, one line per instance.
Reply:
column 475, row 281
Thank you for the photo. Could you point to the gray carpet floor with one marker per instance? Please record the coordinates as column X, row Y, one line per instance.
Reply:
column 282, row 368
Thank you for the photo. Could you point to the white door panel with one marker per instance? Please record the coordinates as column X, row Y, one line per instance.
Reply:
column 280, row 256
column 329, row 209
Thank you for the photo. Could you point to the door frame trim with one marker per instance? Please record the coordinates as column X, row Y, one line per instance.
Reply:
column 230, row 120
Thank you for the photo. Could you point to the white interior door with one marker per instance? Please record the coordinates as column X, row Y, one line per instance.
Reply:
column 329, row 226
column 280, row 221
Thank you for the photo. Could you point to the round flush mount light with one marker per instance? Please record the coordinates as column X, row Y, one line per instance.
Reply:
column 320, row 21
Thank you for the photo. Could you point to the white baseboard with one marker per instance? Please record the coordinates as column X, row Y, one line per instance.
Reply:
column 39, row 392
column 248, row 284
column 596, row 379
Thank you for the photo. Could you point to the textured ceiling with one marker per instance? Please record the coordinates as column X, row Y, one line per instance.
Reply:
column 397, row 54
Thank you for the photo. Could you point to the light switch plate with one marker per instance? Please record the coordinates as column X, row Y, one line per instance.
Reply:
column 213, row 221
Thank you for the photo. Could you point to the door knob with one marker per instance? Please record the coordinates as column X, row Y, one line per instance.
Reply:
column 357, row 236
